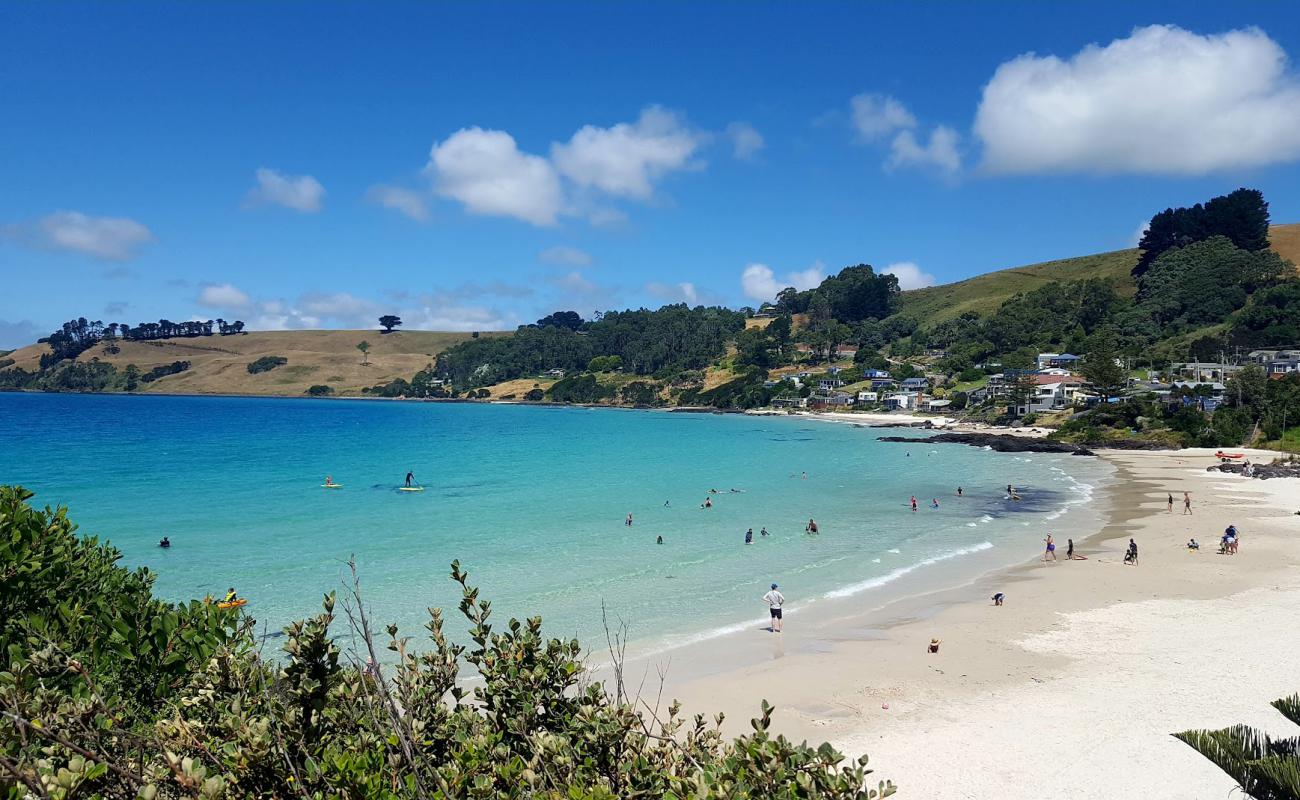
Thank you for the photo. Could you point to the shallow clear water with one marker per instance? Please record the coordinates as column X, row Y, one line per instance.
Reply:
column 531, row 500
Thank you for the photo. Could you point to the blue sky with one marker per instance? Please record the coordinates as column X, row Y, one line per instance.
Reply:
column 475, row 166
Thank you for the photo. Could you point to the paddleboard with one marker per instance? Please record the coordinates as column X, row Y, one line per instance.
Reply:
column 331, row 486
column 410, row 488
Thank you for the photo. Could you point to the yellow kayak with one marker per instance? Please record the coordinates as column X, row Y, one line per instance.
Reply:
column 233, row 603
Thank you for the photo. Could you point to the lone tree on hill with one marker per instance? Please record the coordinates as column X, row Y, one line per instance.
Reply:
column 364, row 347
column 389, row 322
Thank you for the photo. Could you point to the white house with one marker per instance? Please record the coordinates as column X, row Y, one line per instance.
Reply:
column 1277, row 362
column 1052, row 393
column 900, row 402
column 868, row 397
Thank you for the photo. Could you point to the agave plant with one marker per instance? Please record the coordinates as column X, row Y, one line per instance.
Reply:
column 1264, row 767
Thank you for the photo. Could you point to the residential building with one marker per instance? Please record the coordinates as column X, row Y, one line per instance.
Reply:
column 915, row 384
column 1046, row 360
column 829, row 383
column 1205, row 371
column 868, row 397
column 1275, row 362
column 883, row 383
column 902, row 401
column 1052, row 393
column 875, row 373
column 937, row 405
column 555, row 373
column 790, row 402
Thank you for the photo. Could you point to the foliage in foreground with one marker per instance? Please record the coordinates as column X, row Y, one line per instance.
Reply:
column 106, row 691
column 1265, row 768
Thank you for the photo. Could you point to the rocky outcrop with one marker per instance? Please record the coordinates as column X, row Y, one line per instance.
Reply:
column 1261, row 471
column 993, row 441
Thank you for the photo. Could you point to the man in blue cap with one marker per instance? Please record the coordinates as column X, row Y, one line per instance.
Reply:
column 775, row 600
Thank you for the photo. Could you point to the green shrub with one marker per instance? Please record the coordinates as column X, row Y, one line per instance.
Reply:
column 110, row 693
column 534, row 395
column 164, row 370
column 266, row 363
column 320, row 390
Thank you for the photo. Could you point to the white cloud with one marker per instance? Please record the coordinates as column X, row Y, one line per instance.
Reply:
column 299, row 192
column 1141, row 231
column 875, row 116
column 564, row 256
column 404, row 201
column 624, row 160
column 909, row 275
column 19, row 333
column 486, row 172
column 108, row 238
column 940, row 152
column 684, row 292
column 340, row 306
column 759, row 282
column 222, row 295
column 746, row 141
column 1162, row 101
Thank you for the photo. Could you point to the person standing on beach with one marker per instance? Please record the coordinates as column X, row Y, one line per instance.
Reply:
column 1187, row 503
column 1171, row 503
column 1069, row 549
column 775, row 601
column 1051, row 548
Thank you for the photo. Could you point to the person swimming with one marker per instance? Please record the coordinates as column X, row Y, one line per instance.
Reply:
column 934, row 502
column 659, row 540
column 628, row 521
column 708, row 503
column 749, row 536
column 666, row 504
column 959, row 491
column 763, row 532
column 165, row 542
column 913, row 502
column 410, row 478
column 811, row 527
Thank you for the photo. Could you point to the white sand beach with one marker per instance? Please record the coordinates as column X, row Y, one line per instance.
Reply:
column 1071, row 689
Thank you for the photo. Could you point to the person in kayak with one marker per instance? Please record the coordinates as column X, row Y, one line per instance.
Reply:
column 230, row 596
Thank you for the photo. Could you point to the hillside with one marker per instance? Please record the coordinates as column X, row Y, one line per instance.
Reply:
column 219, row 363
column 986, row 292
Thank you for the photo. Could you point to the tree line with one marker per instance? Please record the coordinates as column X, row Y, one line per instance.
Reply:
column 76, row 336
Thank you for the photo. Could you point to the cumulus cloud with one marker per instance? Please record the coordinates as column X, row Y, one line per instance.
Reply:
column 940, row 152
column 909, row 275
column 746, row 141
column 625, row 159
column 108, row 238
column 564, row 256
column 487, row 172
column 404, row 201
column 299, row 192
column 875, row 116
column 684, row 292
column 222, row 295
column 1161, row 101
column 759, row 282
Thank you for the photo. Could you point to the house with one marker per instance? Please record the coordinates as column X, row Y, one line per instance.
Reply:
column 833, row 370
column 829, row 383
column 1046, row 360
column 900, row 402
column 937, row 405
column 1276, row 362
column 1204, row 371
column 840, row 399
column 915, row 384
column 555, row 373
column 875, row 373
column 868, row 397
column 790, row 402
column 1052, row 393
column 803, row 374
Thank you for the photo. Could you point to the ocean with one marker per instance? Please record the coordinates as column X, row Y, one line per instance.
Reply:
column 533, row 502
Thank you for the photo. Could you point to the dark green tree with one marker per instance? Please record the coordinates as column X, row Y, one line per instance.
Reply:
column 389, row 321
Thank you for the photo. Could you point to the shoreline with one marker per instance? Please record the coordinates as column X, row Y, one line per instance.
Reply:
column 1084, row 673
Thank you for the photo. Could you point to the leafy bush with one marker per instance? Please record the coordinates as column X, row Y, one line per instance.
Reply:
column 6, row 362
column 605, row 364
column 640, row 393
column 579, row 389
column 534, row 395
column 164, row 370
column 111, row 693
column 266, row 363
column 320, row 390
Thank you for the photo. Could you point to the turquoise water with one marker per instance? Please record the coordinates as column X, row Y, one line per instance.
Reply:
column 531, row 500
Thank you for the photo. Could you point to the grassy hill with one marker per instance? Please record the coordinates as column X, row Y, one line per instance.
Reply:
column 219, row 363
column 984, row 293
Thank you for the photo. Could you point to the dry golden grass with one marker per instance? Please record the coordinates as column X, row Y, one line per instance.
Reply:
column 759, row 323
column 218, row 364
column 1285, row 241
column 520, row 387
